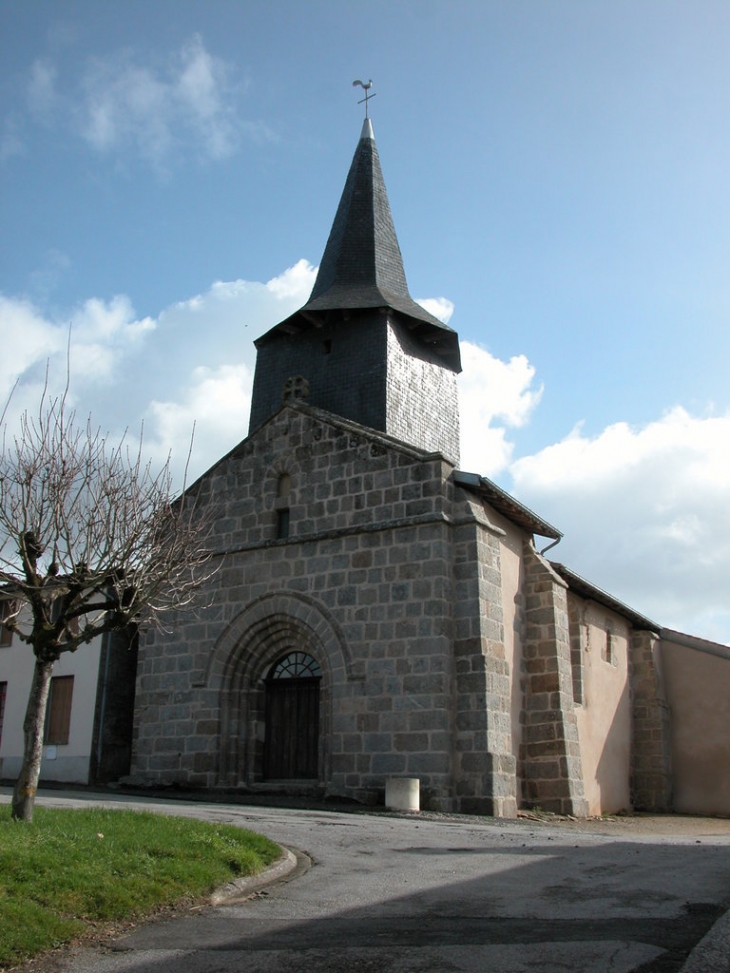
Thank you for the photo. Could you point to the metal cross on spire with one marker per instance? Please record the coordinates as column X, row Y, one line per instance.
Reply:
column 366, row 86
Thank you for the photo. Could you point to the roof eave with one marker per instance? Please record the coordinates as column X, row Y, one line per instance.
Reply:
column 589, row 590
column 443, row 340
column 505, row 504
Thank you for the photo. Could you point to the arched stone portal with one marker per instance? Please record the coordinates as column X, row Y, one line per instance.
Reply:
column 242, row 666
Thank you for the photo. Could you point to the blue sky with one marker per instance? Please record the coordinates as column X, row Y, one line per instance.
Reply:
column 557, row 172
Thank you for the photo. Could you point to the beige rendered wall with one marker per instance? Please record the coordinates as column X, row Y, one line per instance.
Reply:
column 16, row 669
column 697, row 685
column 604, row 715
column 69, row 763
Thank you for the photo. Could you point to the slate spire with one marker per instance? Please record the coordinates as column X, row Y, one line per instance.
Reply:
column 362, row 265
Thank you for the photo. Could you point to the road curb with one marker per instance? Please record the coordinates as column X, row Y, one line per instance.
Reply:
column 712, row 953
column 243, row 887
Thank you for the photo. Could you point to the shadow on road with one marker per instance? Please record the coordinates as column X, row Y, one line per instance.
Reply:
column 619, row 906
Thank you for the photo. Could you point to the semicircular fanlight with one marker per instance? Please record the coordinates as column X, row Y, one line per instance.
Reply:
column 296, row 665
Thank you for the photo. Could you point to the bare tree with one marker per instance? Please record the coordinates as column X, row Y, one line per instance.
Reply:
column 91, row 541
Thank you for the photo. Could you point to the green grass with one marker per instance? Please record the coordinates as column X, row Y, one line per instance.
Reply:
column 72, row 869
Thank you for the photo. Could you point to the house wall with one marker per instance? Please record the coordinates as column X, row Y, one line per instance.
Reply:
column 68, row 763
column 696, row 677
column 603, row 709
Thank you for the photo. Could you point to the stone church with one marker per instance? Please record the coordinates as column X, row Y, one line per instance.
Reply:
column 380, row 613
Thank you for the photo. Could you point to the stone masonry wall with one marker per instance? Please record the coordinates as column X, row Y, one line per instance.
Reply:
column 651, row 762
column 484, row 765
column 364, row 578
column 553, row 777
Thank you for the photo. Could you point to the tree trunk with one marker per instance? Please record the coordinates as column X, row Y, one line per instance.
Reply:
column 35, row 716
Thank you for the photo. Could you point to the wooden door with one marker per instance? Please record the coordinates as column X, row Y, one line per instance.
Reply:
column 291, row 748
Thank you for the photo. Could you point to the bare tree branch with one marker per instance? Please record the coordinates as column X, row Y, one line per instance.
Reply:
column 91, row 541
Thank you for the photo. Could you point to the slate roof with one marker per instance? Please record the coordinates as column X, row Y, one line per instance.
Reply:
column 362, row 265
column 512, row 509
column 588, row 590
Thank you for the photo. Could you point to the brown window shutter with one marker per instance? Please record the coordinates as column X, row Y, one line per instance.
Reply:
column 58, row 720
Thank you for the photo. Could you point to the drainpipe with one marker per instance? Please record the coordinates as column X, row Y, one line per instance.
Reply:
column 551, row 545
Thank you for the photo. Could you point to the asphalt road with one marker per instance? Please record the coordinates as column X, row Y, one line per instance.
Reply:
column 376, row 893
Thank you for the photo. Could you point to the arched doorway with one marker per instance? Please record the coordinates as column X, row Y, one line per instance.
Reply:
column 266, row 631
column 291, row 743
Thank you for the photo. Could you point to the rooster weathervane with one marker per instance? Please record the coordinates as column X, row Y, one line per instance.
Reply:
column 366, row 86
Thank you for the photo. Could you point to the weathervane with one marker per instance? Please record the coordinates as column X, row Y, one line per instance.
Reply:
column 366, row 86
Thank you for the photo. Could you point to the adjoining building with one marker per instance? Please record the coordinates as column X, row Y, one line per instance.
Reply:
column 88, row 730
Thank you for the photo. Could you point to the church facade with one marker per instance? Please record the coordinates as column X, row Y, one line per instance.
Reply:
column 379, row 612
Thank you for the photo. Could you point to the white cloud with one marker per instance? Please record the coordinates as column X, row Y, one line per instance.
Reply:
column 215, row 404
column 296, row 282
column 201, row 88
column 227, row 318
column 217, row 396
column 441, row 307
column 494, row 396
column 27, row 338
column 119, row 105
column 126, row 370
column 101, row 333
column 43, row 98
column 126, row 104
column 646, row 514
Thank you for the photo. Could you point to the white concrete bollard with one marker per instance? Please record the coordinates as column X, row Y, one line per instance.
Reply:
column 403, row 794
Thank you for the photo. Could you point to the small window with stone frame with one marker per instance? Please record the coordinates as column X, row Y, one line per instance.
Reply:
column 282, row 524
column 283, row 491
column 609, row 649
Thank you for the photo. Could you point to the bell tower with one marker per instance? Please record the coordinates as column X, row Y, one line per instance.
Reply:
column 361, row 345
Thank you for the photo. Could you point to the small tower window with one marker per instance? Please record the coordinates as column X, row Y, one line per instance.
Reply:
column 281, row 506
column 282, row 524
column 327, row 346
